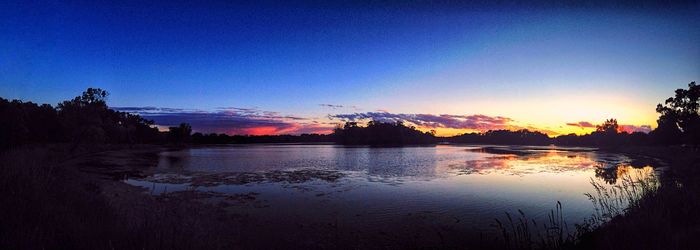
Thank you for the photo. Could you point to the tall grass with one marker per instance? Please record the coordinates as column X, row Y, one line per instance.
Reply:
column 39, row 211
column 610, row 202
column 524, row 233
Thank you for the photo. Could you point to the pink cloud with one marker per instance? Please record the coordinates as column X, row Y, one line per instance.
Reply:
column 581, row 124
column 634, row 128
column 231, row 120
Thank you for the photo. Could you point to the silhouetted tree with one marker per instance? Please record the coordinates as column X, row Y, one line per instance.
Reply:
column 504, row 137
column 609, row 126
column 27, row 122
column 679, row 117
column 381, row 133
column 84, row 119
column 181, row 133
column 608, row 134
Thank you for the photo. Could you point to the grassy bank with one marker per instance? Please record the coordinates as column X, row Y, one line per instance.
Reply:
column 635, row 213
column 666, row 218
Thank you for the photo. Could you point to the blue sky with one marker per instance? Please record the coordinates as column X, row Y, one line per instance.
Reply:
column 540, row 66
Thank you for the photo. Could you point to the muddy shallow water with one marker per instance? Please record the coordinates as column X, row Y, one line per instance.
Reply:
column 369, row 194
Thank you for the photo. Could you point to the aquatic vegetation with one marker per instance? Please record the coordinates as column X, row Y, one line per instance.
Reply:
column 241, row 178
column 524, row 233
column 610, row 202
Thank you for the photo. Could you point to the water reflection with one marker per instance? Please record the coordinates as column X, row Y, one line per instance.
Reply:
column 612, row 175
column 396, row 164
column 518, row 161
column 369, row 191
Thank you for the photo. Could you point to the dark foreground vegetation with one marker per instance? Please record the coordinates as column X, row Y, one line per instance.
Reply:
column 664, row 217
column 46, row 204
column 642, row 212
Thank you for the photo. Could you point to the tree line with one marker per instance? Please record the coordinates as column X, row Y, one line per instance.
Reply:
column 381, row 133
column 83, row 119
column 678, row 123
column 88, row 119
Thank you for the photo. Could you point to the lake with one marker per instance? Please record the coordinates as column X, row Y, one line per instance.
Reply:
column 365, row 195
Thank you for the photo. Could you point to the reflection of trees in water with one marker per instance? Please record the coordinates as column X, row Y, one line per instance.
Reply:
column 175, row 160
column 400, row 162
column 611, row 175
column 388, row 162
column 608, row 167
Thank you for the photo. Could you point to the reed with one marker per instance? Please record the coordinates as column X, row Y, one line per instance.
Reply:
column 610, row 202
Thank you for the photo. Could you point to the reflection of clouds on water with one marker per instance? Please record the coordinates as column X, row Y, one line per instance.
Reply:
column 552, row 162
column 520, row 161
column 242, row 165
column 448, row 186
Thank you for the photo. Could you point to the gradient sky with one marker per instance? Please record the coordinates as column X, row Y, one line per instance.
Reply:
column 295, row 68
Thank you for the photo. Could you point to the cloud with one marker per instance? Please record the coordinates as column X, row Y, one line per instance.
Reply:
column 231, row 120
column 333, row 106
column 473, row 122
column 337, row 106
column 634, row 128
column 144, row 110
column 622, row 128
column 581, row 124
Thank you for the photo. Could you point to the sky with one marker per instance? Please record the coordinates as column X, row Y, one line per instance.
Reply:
column 305, row 67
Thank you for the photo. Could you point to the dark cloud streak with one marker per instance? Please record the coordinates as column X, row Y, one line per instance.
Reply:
column 581, row 124
column 230, row 120
column 474, row 122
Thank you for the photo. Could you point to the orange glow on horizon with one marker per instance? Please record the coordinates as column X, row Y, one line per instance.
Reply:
column 264, row 130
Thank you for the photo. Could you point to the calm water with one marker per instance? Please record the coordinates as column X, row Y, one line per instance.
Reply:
column 377, row 192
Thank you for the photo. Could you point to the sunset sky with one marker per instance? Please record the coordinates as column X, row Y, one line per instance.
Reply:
column 302, row 68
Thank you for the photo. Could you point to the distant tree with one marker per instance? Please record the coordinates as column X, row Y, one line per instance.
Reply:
column 181, row 133
column 608, row 134
column 609, row 126
column 679, row 115
column 381, row 133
